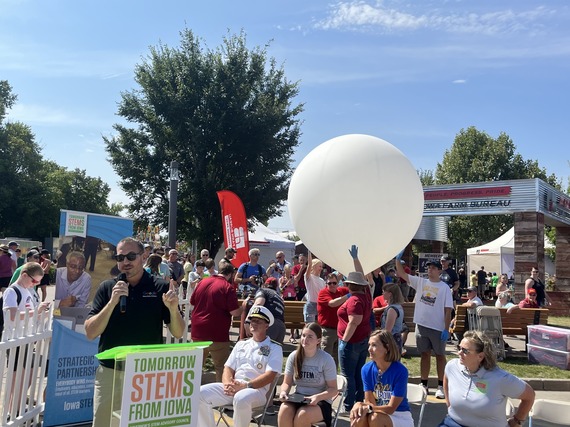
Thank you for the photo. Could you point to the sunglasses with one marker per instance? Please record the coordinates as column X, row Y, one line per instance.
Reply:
column 131, row 256
column 332, row 283
column 464, row 350
column 34, row 281
column 255, row 254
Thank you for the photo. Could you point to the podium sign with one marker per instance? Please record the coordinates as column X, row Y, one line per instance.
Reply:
column 157, row 385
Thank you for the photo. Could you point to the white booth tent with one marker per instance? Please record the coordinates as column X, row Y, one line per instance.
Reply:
column 268, row 242
column 498, row 256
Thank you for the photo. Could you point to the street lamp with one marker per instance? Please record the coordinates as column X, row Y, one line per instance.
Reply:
column 172, row 204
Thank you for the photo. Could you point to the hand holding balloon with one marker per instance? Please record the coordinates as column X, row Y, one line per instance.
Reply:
column 353, row 251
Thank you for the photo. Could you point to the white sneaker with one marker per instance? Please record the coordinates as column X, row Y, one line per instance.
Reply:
column 439, row 394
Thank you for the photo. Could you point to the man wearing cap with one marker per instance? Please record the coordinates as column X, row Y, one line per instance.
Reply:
column 472, row 299
column 72, row 282
column 534, row 282
column 12, row 246
column 268, row 297
column 252, row 366
column 229, row 254
column 530, row 300
column 449, row 276
column 432, row 316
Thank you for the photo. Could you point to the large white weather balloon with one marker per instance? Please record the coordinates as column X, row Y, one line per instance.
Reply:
column 355, row 189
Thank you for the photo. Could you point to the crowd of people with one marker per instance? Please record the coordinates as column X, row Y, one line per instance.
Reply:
column 348, row 319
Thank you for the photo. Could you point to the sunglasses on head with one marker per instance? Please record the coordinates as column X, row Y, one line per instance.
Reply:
column 131, row 256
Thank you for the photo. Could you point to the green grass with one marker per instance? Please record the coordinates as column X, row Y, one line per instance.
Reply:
column 559, row 321
column 518, row 366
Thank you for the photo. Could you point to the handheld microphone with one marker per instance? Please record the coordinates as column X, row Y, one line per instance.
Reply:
column 123, row 299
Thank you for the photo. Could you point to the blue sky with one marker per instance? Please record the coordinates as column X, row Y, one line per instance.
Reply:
column 412, row 73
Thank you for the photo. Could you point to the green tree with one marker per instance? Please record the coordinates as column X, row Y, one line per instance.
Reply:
column 34, row 190
column 226, row 115
column 477, row 157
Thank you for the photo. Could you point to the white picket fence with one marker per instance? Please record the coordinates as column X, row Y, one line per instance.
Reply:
column 24, row 380
column 22, row 403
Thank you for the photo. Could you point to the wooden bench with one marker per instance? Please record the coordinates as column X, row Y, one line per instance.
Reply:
column 293, row 315
column 409, row 308
column 514, row 323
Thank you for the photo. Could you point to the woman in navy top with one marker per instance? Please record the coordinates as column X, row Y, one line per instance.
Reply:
column 385, row 382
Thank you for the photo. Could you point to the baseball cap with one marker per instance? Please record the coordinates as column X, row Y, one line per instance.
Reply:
column 12, row 243
column 261, row 312
column 531, row 292
column 436, row 264
column 445, row 258
column 472, row 288
column 32, row 253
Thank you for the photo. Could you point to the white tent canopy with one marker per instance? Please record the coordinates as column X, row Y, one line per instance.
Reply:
column 268, row 242
column 498, row 256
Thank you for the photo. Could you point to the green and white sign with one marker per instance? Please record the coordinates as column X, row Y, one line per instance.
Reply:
column 162, row 388
column 76, row 224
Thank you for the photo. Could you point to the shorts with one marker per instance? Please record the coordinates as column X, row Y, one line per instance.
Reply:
column 326, row 410
column 402, row 419
column 428, row 339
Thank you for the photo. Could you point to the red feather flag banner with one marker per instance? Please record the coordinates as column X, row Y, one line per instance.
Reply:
column 234, row 224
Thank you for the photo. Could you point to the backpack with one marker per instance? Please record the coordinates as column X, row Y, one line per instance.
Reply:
column 18, row 300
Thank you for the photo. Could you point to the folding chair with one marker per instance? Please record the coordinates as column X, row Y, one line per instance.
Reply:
column 338, row 402
column 258, row 414
column 489, row 321
column 417, row 394
column 551, row 411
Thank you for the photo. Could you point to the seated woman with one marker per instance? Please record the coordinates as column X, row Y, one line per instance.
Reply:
column 385, row 382
column 313, row 371
column 476, row 390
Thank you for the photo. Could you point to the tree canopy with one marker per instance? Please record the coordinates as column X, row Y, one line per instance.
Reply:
column 477, row 157
column 34, row 190
column 226, row 115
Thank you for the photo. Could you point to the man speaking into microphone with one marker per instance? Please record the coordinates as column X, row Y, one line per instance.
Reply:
column 128, row 310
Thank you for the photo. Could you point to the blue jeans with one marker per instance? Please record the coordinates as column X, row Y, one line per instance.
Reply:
column 352, row 357
column 449, row 422
column 310, row 312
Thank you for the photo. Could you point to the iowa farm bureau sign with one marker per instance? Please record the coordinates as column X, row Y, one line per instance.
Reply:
column 498, row 197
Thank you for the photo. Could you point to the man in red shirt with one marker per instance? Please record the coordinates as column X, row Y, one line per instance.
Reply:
column 530, row 300
column 215, row 302
column 330, row 299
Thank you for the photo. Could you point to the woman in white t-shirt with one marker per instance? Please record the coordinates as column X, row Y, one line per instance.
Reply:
column 314, row 283
column 313, row 372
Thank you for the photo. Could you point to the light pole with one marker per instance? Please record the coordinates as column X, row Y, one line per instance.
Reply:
column 172, row 204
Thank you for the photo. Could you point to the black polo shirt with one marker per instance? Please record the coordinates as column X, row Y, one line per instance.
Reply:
column 143, row 321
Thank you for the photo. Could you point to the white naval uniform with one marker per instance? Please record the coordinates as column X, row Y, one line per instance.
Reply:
column 249, row 359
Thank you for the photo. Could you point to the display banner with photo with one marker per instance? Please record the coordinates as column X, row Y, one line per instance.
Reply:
column 91, row 240
column 71, row 377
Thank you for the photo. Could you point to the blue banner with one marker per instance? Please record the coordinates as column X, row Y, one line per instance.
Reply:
column 71, row 377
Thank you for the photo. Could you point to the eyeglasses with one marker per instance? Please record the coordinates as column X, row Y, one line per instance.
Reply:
column 77, row 267
column 464, row 350
column 34, row 281
column 131, row 256
column 332, row 283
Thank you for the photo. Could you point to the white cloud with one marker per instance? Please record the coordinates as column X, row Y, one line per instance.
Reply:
column 459, row 81
column 360, row 15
